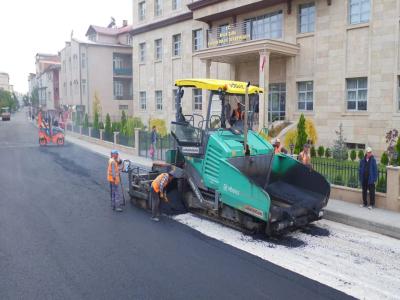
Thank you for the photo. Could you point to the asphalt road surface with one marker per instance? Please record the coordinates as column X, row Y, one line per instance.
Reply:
column 59, row 238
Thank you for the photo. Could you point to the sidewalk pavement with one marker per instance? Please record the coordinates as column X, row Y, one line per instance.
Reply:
column 377, row 220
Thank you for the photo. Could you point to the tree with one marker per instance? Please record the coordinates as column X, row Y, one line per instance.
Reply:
column 124, row 121
column 384, row 159
column 133, row 123
column 311, row 131
column 107, row 127
column 321, row 151
column 86, row 121
column 290, row 138
column 353, row 155
column 35, row 97
column 397, row 150
column 160, row 125
column 339, row 150
column 301, row 139
column 313, row 153
column 96, row 111
column 96, row 124
column 328, row 152
column 360, row 154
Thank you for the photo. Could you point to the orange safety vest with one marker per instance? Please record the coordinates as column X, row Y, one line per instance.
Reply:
column 278, row 149
column 110, row 178
column 163, row 179
column 238, row 114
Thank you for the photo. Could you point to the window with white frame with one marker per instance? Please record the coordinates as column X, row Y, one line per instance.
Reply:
column 174, row 93
column 305, row 90
column 128, row 39
column 118, row 89
column 70, row 89
column 197, row 39
column 83, row 86
column 123, row 107
column 83, row 60
column 359, row 11
column 159, row 104
column 176, row 4
column 158, row 49
column 76, row 87
column 197, row 99
column 142, row 52
column 357, row 93
column 117, row 62
column 306, row 18
column 158, row 8
column 142, row 10
column 176, row 45
column 142, row 101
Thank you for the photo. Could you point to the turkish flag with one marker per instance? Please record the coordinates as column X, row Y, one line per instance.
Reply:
column 262, row 62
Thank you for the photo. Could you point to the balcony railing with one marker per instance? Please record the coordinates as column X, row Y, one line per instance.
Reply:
column 123, row 71
column 244, row 31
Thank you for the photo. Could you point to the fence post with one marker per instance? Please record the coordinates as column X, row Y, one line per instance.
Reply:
column 80, row 130
column 101, row 134
column 116, row 135
column 392, row 188
column 72, row 127
column 136, row 148
column 90, row 131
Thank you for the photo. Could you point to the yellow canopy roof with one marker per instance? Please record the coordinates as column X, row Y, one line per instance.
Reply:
column 231, row 87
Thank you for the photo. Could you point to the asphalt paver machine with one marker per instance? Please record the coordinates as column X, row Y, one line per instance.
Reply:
column 230, row 172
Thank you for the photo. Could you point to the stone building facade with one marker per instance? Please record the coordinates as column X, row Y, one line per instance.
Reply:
column 334, row 61
column 5, row 82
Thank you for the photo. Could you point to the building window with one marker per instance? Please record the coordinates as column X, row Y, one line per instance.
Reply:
column 70, row 89
column 359, row 11
column 159, row 104
column 357, row 92
column 118, row 90
column 83, row 85
column 92, row 37
column 176, row 45
column 355, row 146
column 75, row 63
column 158, row 7
column 158, row 49
column 176, row 4
column 223, row 34
column 117, row 62
column 142, row 10
column 128, row 39
column 305, row 95
column 76, row 87
column 142, row 52
column 197, row 39
column 142, row 101
column 265, row 27
column 306, row 18
column 197, row 99
column 83, row 60
column 123, row 107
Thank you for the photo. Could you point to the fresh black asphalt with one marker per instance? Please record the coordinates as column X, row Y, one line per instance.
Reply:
column 59, row 239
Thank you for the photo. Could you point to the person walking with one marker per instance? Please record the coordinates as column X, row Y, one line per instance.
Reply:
column 305, row 157
column 368, row 175
column 158, row 192
column 278, row 148
column 153, row 145
column 113, row 177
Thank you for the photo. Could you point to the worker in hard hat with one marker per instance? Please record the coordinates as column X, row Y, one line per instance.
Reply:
column 113, row 177
column 158, row 192
column 278, row 148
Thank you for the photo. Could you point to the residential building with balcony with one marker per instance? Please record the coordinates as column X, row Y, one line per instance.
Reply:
column 5, row 82
column 100, row 67
column 333, row 61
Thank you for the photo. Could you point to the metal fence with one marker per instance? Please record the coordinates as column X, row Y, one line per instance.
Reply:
column 124, row 140
column 163, row 144
column 95, row 133
column 85, row 131
column 345, row 173
column 108, row 137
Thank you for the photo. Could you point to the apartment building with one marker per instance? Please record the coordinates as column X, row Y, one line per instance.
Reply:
column 100, row 67
column 334, row 61
column 5, row 82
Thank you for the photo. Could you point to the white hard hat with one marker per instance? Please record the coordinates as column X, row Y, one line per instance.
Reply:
column 278, row 140
column 369, row 149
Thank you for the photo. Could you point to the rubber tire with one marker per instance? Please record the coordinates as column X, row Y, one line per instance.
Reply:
column 60, row 142
column 42, row 142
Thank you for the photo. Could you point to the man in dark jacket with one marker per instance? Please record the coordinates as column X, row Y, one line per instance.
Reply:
column 368, row 174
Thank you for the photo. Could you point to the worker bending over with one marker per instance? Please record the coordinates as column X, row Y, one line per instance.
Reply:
column 278, row 148
column 158, row 191
column 113, row 177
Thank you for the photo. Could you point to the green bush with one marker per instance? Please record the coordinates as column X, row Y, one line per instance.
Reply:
column 116, row 127
column 86, row 122
column 338, row 180
column 107, row 127
column 353, row 181
column 321, row 151
column 381, row 185
column 131, row 124
column 96, row 124
column 384, row 159
column 360, row 154
column 301, row 138
column 328, row 153
column 124, row 121
column 101, row 125
column 353, row 155
column 313, row 152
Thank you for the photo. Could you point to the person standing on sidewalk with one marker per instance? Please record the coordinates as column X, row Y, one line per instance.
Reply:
column 153, row 147
column 305, row 157
column 113, row 177
column 368, row 174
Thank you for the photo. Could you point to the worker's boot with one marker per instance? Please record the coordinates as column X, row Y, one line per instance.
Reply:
column 118, row 209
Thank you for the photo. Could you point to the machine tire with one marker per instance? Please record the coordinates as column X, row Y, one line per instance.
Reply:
column 60, row 141
column 42, row 142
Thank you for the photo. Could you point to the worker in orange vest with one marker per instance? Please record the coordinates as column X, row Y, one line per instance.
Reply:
column 278, row 148
column 158, row 191
column 305, row 156
column 113, row 177
column 237, row 114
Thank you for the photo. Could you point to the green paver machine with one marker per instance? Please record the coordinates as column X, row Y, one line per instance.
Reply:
column 231, row 173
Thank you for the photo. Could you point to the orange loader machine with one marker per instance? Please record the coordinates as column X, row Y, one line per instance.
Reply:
column 48, row 133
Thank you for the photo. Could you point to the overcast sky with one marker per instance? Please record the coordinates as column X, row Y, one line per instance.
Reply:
column 31, row 26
